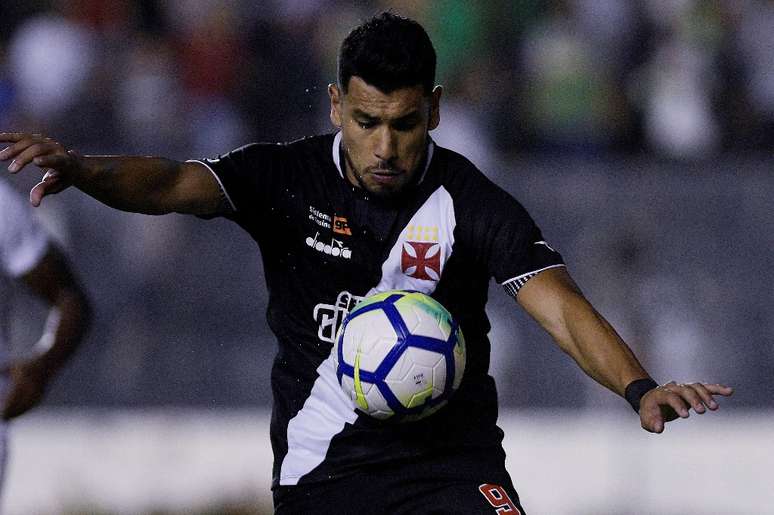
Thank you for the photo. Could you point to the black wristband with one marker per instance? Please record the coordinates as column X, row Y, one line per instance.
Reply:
column 636, row 389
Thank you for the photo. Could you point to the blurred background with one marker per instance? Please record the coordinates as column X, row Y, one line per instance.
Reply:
column 638, row 133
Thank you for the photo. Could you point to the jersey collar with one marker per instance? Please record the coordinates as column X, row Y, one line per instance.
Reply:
column 337, row 156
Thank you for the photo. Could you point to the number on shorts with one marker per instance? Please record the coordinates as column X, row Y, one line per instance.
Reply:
column 498, row 498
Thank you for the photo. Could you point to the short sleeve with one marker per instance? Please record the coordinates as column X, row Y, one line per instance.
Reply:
column 249, row 176
column 23, row 241
column 536, row 255
column 510, row 243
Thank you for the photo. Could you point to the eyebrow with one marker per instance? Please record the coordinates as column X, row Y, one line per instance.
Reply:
column 406, row 117
column 361, row 114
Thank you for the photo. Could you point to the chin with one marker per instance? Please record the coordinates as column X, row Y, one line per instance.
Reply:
column 385, row 193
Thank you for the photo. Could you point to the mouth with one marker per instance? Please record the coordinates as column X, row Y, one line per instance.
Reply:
column 385, row 175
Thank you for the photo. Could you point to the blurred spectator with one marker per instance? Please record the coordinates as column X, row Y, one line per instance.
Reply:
column 282, row 85
column 466, row 126
column 755, row 45
column 7, row 100
column 570, row 98
column 680, row 78
column 458, row 30
column 212, row 56
column 50, row 59
column 150, row 98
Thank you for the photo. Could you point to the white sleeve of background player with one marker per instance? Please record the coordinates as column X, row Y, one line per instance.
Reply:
column 23, row 241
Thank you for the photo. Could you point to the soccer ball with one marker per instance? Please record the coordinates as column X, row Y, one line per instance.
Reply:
column 399, row 353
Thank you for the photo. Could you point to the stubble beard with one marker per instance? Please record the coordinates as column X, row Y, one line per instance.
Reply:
column 384, row 194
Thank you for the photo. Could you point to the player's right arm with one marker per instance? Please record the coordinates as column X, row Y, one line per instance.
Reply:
column 150, row 185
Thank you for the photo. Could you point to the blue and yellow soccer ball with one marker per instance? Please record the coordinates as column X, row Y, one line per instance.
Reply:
column 399, row 353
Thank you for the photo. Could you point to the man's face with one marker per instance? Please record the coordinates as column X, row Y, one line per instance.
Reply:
column 383, row 136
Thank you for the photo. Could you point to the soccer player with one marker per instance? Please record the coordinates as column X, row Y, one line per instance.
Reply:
column 375, row 206
column 27, row 255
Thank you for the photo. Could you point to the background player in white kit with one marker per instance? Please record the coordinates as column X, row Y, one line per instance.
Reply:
column 28, row 255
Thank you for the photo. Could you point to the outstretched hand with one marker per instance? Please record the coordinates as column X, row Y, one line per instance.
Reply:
column 672, row 400
column 51, row 157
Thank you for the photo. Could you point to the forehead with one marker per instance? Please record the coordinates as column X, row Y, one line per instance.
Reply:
column 370, row 100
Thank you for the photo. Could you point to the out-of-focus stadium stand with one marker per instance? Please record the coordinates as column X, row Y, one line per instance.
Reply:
column 638, row 134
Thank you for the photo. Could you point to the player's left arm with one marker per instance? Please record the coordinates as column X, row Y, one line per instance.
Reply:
column 554, row 300
column 53, row 281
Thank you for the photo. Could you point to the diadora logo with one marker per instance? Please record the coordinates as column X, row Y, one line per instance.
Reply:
column 335, row 248
column 341, row 226
column 421, row 260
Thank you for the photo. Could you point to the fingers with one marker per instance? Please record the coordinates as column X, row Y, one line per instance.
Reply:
column 13, row 137
column 51, row 161
column 51, row 183
column 25, row 148
column 19, row 142
column 700, row 395
column 43, row 152
column 23, row 152
column 706, row 398
column 690, row 394
column 666, row 402
column 651, row 418
column 719, row 389
column 677, row 402
column 660, row 406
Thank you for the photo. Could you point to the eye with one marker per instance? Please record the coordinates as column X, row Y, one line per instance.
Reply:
column 366, row 125
column 405, row 126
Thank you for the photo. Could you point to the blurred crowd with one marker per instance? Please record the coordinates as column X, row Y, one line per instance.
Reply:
column 661, row 86
column 683, row 79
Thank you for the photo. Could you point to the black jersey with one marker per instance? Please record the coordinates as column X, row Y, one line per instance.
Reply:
column 325, row 244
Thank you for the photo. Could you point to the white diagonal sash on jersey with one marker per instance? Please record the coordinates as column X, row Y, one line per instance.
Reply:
column 309, row 433
column 328, row 409
column 436, row 213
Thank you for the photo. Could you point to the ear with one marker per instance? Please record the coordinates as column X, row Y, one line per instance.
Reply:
column 435, row 107
column 336, row 97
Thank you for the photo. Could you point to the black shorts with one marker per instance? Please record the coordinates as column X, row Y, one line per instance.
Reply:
column 423, row 487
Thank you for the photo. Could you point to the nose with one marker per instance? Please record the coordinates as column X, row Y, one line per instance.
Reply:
column 386, row 147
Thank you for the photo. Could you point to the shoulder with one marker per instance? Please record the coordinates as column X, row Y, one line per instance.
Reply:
column 465, row 182
column 256, row 175
column 322, row 143
column 307, row 148
column 481, row 207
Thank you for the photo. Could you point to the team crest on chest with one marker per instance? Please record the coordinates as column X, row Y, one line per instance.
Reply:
column 421, row 253
column 421, row 260
column 417, row 259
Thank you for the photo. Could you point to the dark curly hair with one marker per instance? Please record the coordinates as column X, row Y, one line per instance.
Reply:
column 389, row 52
